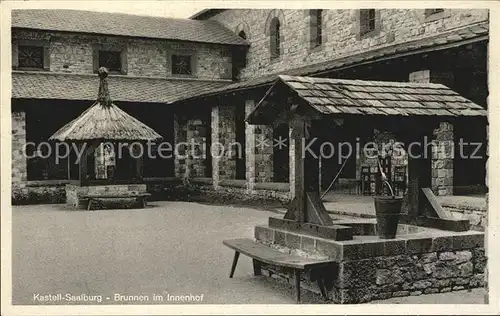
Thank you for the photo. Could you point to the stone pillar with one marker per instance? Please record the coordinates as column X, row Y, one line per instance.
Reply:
column 442, row 160
column 19, row 163
column 227, row 137
column 250, row 146
column 180, row 136
column 291, row 161
column 214, row 150
column 263, row 153
column 196, row 137
column 442, row 147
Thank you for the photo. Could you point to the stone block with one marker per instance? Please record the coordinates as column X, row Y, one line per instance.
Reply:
column 447, row 256
column 458, row 288
column 279, row 237
column 400, row 293
column 415, row 293
column 463, row 256
column 445, row 269
column 466, row 269
column 355, row 250
column 308, row 244
column 468, row 241
column 264, row 234
column 422, row 284
column 420, row 245
column 389, row 276
column 330, row 249
column 445, row 289
column 477, row 280
column 292, row 241
column 359, row 273
column 444, row 243
column 431, row 290
column 429, row 257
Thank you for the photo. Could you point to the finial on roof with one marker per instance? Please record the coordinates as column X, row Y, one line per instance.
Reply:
column 103, row 96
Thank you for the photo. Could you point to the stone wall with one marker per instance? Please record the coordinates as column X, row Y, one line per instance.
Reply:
column 340, row 30
column 73, row 192
column 73, row 53
column 19, row 164
column 417, row 262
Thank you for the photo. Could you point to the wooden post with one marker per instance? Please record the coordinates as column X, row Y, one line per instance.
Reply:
column 83, row 165
column 297, row 210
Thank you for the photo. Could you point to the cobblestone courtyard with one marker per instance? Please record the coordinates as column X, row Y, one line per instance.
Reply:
column 169, row 248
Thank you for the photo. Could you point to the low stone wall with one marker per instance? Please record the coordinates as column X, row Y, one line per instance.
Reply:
column 422, row 261
column 47, row 194
column 74, row 192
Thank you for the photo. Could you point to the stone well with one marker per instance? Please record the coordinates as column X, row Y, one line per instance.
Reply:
column 419, row 261
column 74, row 192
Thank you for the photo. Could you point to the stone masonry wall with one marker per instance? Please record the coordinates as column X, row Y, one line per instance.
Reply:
column 19, row 164
column 227, row 140
column 340, row 30
column 73, row 53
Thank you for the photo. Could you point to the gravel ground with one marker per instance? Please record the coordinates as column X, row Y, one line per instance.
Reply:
column 170, row 248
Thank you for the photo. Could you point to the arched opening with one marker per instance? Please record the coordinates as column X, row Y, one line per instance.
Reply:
column 274, row 31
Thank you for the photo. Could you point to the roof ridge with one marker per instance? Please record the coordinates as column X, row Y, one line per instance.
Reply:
column 111, row 13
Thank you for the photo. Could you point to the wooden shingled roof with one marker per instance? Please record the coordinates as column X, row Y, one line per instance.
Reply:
column 105, row 121
column 361, row 97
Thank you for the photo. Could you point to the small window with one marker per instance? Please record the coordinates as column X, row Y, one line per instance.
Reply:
column 275, row 38
column 181, row 65
column 316, row 28
column 367, row 20
column 243, row 35
column 110, row 60
column 30, row 56
column 429, row 12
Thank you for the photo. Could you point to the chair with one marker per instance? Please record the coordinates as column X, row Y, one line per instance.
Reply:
column 399, row 181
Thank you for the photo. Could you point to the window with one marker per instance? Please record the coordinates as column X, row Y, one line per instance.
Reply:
column 30, row 56
column 429, row 12
column 113, row 57
column 110, row 60
column 239, row 60
column 316, row 28
column 275, row 38
column 181, row 65
column 367, row 21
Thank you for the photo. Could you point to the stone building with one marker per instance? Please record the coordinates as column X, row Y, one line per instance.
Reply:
column 196, row 80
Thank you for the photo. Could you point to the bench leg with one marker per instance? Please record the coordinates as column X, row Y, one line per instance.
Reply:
column 235, row 261
column 90, row 203
column 297, row 284
column 321, row 285
column 144, row 204
column 256, row 267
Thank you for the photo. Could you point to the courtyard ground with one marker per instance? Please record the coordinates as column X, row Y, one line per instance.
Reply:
column 170, row 248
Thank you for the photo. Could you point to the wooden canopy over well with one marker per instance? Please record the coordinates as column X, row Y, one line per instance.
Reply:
column 360, row 97
column 411, row 110
column 105, row 121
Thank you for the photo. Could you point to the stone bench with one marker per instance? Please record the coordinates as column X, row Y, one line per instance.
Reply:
column 140, row 197
column 262, row 253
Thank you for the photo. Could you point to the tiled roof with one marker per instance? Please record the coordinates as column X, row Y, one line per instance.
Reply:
column 360, row 97
column 30, row 85
column 126, row 25
column 469, row 34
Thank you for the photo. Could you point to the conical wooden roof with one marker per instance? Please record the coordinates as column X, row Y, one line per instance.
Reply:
column 105, row 121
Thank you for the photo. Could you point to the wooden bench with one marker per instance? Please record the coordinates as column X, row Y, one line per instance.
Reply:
column 262, row 253
column 140, row 197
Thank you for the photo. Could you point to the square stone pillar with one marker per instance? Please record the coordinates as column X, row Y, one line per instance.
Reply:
column 19, row 162
column 227, row 142
column 196, row 137
column 180, row 149
column 264, row 153
column 443, row 145
column 215, row 149
column 250, row 146
column 291, row 159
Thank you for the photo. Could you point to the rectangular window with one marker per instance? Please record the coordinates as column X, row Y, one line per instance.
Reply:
column 30, row 56
column 367, row 19
column 111, row 60
column 181, row 65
